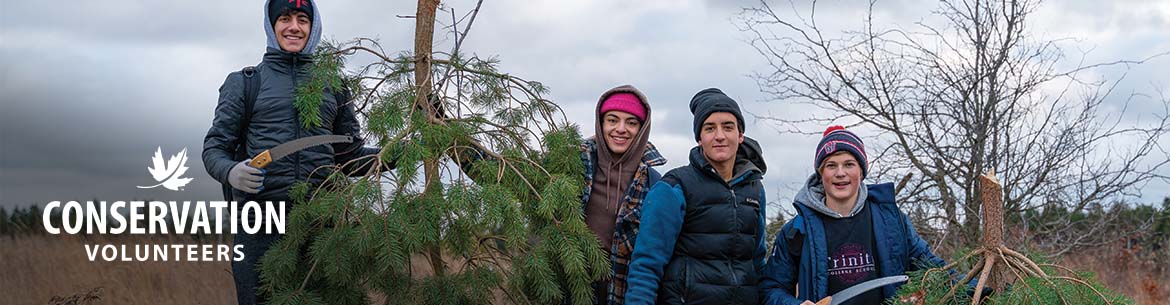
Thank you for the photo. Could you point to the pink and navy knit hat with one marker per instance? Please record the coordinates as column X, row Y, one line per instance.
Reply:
column 624, row 102
column 836, row 138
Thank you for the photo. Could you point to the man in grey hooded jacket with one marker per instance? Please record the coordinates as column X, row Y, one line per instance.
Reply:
column 293, row 29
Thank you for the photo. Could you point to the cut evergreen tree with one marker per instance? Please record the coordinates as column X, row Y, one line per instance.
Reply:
column 426, row 233
column 1013, row 277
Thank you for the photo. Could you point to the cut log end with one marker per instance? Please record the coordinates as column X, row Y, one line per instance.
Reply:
column 989, row 177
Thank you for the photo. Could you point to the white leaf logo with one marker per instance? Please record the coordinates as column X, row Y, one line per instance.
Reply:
column 169, row 175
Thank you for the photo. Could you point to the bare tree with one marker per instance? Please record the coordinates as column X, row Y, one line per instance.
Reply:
column 953, row 100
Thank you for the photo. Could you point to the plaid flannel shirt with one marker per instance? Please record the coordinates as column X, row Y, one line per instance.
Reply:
column 629, row 213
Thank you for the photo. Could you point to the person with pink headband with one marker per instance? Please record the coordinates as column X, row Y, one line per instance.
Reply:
column 619, row 161
column 619, row 169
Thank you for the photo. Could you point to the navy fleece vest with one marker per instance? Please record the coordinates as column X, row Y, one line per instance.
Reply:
column 712, row 261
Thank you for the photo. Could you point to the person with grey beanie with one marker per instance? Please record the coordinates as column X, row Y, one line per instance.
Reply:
column 702, row 233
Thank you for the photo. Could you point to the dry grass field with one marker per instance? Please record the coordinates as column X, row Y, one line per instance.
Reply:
column 47, row 269
column 1143, row 279
column 37, row 268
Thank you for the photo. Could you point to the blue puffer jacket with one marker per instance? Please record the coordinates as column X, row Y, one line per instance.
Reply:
column 899, row 249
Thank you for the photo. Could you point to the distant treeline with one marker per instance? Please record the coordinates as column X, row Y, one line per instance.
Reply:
column 24, row 220
column 1143, row 229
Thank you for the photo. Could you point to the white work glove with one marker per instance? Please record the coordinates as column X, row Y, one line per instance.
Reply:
column 246, row 178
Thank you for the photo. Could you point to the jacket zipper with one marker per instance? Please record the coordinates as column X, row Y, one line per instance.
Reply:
column 735, row 216
column 297, row 166
column 686, row 281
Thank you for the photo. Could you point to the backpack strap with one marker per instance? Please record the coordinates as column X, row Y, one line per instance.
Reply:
column 251, row 91
column 240, row 149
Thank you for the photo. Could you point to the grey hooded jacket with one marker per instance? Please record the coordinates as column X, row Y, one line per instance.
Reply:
column 275, row 121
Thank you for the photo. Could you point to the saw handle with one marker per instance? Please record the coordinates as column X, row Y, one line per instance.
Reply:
column 825, row 301
column 261, row 160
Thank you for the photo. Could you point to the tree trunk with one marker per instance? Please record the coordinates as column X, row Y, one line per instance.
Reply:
column 992, row 193
column 424, row 35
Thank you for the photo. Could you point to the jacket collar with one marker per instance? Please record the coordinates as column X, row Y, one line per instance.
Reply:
column 284, row 60
column 743, row 169
column 812, row 195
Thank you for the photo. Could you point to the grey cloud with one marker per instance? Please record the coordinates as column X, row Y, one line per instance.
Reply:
column 57, row 147
column 133, row 22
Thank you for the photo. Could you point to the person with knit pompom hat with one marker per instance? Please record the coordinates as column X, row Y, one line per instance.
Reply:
column 845, row 232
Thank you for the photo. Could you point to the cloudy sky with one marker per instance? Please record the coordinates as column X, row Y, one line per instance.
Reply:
column 91, row 88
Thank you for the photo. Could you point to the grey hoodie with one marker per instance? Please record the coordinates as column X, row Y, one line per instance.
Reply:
column 812, row 195
column 314, row 30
